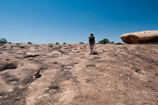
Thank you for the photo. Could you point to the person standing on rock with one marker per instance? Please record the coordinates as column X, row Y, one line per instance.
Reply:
column 91, row 42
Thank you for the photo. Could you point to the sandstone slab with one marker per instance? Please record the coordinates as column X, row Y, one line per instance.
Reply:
column 140, row 37
column 114, row 75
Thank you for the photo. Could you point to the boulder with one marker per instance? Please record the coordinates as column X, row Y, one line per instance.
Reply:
column 139, row 37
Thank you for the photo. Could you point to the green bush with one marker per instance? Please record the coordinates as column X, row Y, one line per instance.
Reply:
column 64, row 43
column 29, row 43
column 57, row 43
column 119, row 43
column 9, row 43
column 50, row 45
column 3, row 41
column 110, row 43
column 156, row 40
column 81, row 43
column 104, row 41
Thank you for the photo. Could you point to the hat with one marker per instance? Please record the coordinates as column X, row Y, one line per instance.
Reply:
column 91, row 34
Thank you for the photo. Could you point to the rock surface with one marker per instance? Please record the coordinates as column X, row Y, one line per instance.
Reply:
column 139, row 37
column 114, row 75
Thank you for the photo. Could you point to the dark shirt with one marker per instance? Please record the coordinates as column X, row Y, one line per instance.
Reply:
column 92, row 40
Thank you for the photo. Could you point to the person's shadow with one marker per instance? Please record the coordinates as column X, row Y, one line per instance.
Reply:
column 94, row 53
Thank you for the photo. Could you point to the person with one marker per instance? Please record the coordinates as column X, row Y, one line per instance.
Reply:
column 91, row 42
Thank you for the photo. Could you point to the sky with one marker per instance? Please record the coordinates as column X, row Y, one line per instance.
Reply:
column 72, row 21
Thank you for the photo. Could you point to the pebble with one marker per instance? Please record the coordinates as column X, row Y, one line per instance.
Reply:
column 10, row 90
column 13, row 82
column 16, row 99
column 46, row 95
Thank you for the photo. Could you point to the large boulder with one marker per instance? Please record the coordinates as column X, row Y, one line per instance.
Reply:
column 140, row 37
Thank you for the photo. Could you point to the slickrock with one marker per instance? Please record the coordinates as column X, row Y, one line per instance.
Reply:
column 140, row 37
column 70, row 75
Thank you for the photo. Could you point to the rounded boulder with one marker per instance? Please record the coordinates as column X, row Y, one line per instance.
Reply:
column 140, row 37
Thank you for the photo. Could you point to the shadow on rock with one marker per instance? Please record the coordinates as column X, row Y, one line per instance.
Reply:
column 94, row 53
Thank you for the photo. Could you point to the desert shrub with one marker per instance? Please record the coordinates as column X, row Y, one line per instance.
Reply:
column 3, row 41
column 81, row 43
column 109, row 43
column 64, row 43
column 156, row 40
column 9, row 43
column 50, row 45
column 112, row 42
column 119, row 43
column 57, row 43
column 29, row 43
column 104, row 41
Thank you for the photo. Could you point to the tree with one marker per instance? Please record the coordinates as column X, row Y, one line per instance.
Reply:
column 119, row 43
column 105, row 41
column 29, row 43
column 57, row 43
column 81, row 43
column 3, row 41
column 64, row 43
column 9, row 43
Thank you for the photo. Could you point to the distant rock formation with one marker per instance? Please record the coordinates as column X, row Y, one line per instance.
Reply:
column 139, row 37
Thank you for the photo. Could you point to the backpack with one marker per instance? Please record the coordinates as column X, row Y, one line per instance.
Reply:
column 91, row 39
